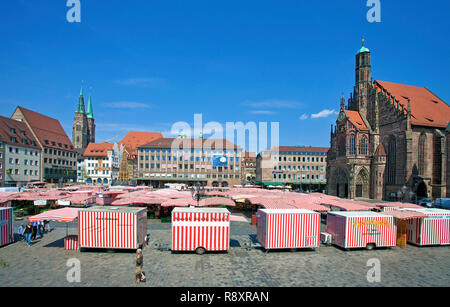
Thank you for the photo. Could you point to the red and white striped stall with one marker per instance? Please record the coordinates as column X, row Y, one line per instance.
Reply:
column 434, row 229
column 200, row 229
column 357, row 229
column 71, row 243
column 6, row 226
column 288, row 228
column 112, row 227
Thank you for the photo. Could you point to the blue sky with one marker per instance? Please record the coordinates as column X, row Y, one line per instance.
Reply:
column 153, row 63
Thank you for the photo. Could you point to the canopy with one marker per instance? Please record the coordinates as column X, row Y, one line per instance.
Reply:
column 405, row 214
column 59, row 215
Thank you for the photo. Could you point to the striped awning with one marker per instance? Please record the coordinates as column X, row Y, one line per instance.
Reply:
column 59, row 215
column 405, row 214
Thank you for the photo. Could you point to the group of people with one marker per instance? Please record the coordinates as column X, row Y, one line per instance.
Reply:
column 32, row 230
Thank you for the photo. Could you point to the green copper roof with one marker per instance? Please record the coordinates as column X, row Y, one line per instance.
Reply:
column 81, row 103
column 90, row 112
column 363, row 49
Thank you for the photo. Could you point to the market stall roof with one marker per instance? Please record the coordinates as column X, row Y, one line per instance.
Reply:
column 214, row 201
column 180, row 202
column 59, row 215
column 405, row 214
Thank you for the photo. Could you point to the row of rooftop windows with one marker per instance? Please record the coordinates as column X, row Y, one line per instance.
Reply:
column 186, row 166
column 197, row 159
column 59, row 152
column 197, row 151
column 299, row 159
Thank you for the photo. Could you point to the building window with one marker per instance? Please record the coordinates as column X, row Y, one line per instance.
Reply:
column 363, row 146
column 352, row 144
column 391, row 160
column 421, row 153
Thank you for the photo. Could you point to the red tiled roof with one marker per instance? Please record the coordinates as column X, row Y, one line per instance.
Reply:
column 98, row 149
column 26, row 140
column 193, row 143
column 136, row 139
column 48, row 130
column 355, row 118
column 426, row 108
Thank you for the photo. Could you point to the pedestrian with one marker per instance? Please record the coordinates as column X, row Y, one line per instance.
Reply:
column 20, row 232
column 139, row 265
column 34, row 230
column 47, row 226
column 28, row 231
column 41, row 229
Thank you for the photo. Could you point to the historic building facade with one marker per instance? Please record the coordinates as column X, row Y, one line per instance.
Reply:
column 212, row 162
column 389, row 142
column 20, row 155
column 298, row 167
column 58, row 159
column 101, row 163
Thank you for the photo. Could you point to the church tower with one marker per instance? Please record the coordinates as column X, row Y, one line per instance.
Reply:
column 80, row 131
column 363, row 80
column 90, row 122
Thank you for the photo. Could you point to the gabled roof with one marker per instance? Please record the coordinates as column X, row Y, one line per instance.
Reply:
column 427, row 109
column 135, row 139
column 11, row 129
column 98, row 149
column 48, row 130
column 355, row 118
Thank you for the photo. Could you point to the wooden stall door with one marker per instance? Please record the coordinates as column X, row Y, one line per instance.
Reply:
column 402, row 226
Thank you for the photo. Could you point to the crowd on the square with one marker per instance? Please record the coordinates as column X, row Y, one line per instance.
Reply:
column 32, row 230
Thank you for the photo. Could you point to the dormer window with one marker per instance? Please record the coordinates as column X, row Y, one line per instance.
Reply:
column 12, row 130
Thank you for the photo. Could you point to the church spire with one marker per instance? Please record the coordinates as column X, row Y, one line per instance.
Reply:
column 342, row 102
column 90, row 112
column 81, row 102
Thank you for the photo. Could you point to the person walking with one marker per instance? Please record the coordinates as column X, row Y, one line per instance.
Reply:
column 34, row 230
column 139, row 265
column 20, row 232
column 41, row 229
column 28, row 232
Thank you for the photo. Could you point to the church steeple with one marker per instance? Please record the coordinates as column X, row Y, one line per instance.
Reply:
column 363, row 80
column 90, row 112
column 80, row 108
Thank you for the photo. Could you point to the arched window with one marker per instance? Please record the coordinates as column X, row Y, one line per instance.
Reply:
column 352, row 144
column 341, row 147
column 363, row 146
column 421, row 154
column 391, row 160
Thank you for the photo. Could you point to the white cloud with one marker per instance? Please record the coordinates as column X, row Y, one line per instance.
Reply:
column 304, row 116
column 127, row 105
column 324, row 113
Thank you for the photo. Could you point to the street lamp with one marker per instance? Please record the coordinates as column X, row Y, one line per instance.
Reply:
column 198, row 192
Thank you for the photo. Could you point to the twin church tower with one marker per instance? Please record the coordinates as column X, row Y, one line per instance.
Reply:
column 83, row 125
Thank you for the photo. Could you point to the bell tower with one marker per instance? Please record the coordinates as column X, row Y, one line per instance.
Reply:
column 363, row 80
column 79, row 130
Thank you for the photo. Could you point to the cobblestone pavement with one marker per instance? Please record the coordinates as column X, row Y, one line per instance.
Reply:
column 44, row 264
